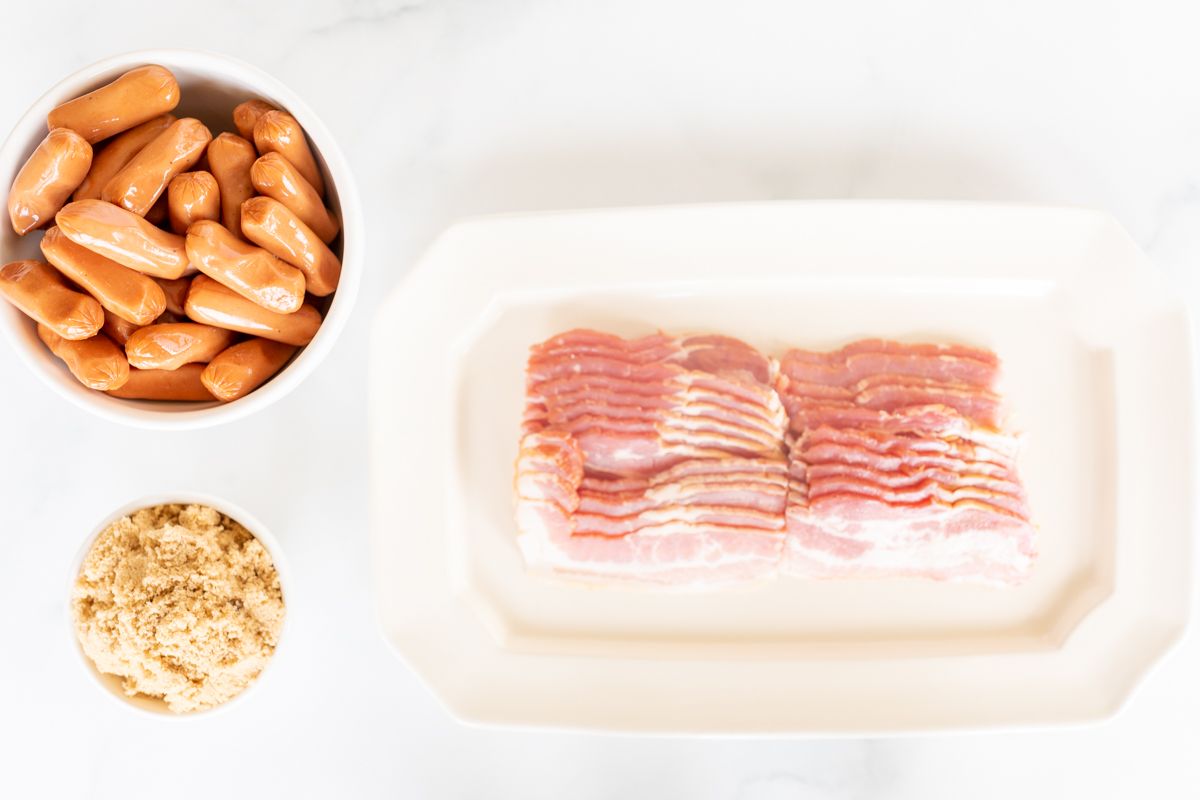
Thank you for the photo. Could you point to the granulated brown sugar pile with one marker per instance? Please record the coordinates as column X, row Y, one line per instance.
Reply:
column 182, row 602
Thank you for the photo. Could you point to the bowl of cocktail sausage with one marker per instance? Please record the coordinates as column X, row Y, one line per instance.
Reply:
column 183, row 242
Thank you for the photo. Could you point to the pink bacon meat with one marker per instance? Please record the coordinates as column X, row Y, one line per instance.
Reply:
column 639, row 406
column 897, row 467
column 657, row 460
column 694, row 460
column 656, row 531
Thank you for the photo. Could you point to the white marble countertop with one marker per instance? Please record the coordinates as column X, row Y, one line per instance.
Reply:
column 453, row 108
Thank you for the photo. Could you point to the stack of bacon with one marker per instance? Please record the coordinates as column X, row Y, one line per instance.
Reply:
column 690, row 460
column 897, row 467
column 658, row 459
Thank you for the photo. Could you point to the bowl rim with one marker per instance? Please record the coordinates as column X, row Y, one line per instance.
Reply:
column 343, row 300
column 243, row 517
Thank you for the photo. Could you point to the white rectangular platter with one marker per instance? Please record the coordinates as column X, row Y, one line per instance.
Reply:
column 1097, row 372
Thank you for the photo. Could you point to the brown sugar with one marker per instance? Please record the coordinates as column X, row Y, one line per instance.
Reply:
column 181, row 602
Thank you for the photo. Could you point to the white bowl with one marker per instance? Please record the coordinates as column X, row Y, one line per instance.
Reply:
column 111, row 684
column 211, row 85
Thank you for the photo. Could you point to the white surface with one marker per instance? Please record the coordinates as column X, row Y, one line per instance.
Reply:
column 1092, row 346
column 445, row 109
column 210, row 86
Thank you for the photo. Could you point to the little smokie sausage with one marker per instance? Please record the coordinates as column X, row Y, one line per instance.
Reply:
column 170, row 345
column 274, row 176
column 56, row 168
column 176, row 293
column 250, row 271
column 109, row 159
column 181, row 385
column 278, row 132
column 230, row 158
column 130, row 100
column 126, row 293
column 40, row 291
column 191, row 197
column 246, row 114
column 96, row 362
column 214, row 304
column 275, row 228
column 140, row 182
column 124, row 237
column 244, row 367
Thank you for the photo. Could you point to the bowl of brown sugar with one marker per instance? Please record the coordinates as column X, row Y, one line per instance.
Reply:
column 177, row 604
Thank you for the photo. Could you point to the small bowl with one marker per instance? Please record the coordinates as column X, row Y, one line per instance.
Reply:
column 211, row 85
column 111, row 684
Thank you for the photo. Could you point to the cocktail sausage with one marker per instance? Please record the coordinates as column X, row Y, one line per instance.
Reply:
column 211, row 303
column 130, row 100
column 56, row 168
column 170, row 345
column 40, row 291
column 274, row 227
column 124, row 237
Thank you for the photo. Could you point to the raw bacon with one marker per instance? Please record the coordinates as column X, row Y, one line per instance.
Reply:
column 639, row 406
column 698, row 460
column 657, row 460
column 659, row 531
column 847, row 536
column 875, row 357
column 898, row 467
